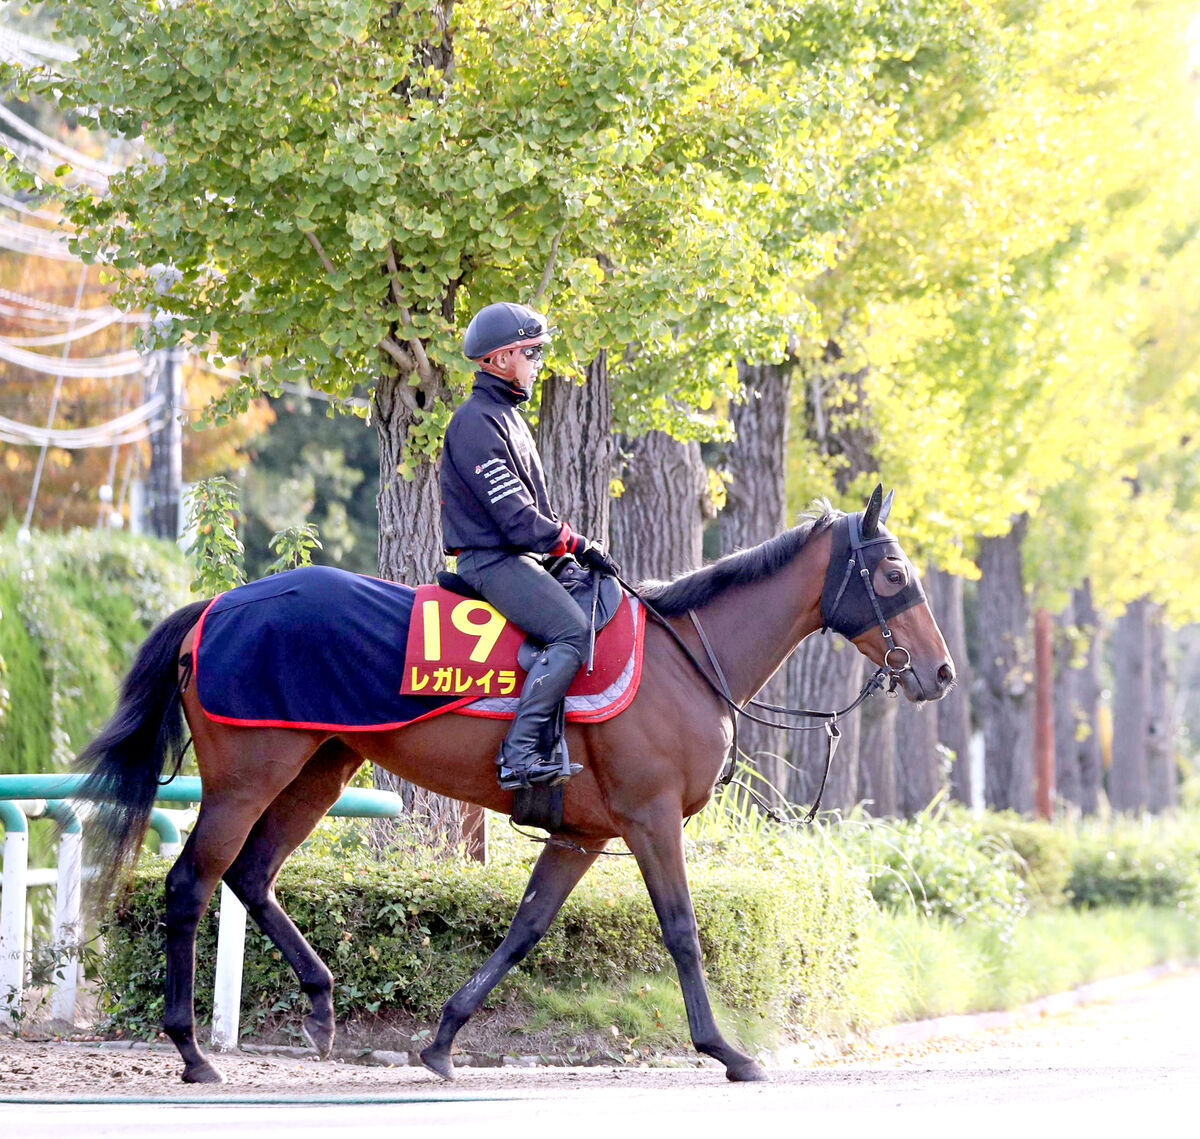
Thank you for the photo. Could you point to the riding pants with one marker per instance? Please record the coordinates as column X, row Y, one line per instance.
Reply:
column 518, row 586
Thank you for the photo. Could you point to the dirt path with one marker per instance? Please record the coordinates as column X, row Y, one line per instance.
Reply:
column 1143, row 1035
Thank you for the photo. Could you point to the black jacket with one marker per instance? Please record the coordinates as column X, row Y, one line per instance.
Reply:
column 493, row 487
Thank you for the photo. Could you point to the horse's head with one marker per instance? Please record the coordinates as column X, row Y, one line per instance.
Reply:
column 873, row 597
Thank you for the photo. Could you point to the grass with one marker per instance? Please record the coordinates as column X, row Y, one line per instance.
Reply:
column 913, row 968
column 643, row 1015
column 910, row 965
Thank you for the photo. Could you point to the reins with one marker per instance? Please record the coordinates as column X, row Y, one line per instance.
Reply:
column 883, row 674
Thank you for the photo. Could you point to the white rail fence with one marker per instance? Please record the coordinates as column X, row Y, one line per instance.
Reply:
column 16, row 809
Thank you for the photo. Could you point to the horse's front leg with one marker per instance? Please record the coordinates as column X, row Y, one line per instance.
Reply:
column 658, row 845
column 556, row 874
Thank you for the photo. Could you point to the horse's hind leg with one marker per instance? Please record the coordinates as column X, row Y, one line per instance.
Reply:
column 556, row 874
column 231, row 805
column 658, row 846
column 285, row 824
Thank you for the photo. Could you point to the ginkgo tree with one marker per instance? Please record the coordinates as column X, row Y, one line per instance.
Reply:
column 335, row 185
column 989, row 315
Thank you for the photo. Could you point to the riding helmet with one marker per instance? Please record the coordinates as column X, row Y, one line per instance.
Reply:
column 504, row 325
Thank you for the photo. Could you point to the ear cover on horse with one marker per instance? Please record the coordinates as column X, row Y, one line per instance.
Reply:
column 870, row 516
column 886, row 509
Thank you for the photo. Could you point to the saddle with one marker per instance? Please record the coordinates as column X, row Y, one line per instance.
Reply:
column 599, row 596
column 578, row 581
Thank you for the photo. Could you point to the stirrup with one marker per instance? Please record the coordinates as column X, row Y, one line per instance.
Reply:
column 547, row 771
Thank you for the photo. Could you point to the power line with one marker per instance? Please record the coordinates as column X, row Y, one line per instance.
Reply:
column 79, row 160
column 59, row 337
column 21, row 238
column 61, row 314
column 133, row 425
column 41, row 462
column 24, row 208
column 97, row 367
column 34, row 47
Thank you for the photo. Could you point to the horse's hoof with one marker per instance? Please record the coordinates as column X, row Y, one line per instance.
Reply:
column 438, row 1062
column 747, row 1073
column 319, row 1035
column 202, row 1073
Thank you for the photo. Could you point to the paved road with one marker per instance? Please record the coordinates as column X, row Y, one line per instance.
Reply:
column 1127, row 1066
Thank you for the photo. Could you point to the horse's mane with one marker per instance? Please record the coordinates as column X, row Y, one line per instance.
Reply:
column 742, row 567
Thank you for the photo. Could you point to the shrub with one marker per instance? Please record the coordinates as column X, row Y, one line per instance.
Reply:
column 781, row 942
column 1043, row 852
column 73, row 608
column 1125, row 867
column 941, row 866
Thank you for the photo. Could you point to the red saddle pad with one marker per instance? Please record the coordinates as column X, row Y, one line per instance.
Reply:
column 462, row 647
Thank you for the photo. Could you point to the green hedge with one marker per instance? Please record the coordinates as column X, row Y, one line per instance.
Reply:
column 791, row 933
column 1043, row 851
column 779, row 942
column 940, row 865
column 1125, row 866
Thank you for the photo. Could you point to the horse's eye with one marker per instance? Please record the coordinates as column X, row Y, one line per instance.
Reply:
column 896, row 577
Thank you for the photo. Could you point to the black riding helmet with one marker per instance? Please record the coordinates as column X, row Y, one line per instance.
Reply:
column 504, row 325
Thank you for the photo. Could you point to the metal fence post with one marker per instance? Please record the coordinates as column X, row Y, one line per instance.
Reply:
column 227, row 988
column 12, row 911
column 67, row 929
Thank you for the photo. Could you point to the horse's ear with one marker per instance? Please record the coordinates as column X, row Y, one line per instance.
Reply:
column 886, row 508
column 870, row 519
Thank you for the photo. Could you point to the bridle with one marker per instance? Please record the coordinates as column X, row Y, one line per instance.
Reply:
column 887, row 675
column 911, row 595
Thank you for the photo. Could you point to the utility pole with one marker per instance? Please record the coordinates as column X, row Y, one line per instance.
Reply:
column 165, row 480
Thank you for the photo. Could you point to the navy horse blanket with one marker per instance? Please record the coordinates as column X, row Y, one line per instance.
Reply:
column 321, row 648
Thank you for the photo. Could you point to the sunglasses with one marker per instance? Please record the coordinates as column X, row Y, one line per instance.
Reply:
column 533, row 352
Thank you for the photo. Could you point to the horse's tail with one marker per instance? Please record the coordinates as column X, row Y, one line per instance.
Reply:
column 126, row 760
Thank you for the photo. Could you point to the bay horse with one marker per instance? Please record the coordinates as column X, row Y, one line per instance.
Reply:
column 644, row 771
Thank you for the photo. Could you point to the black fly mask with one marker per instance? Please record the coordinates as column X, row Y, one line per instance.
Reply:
column 853, row 601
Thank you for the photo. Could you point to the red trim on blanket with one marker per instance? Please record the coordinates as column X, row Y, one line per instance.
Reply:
column 339, row 727
column 301, row 724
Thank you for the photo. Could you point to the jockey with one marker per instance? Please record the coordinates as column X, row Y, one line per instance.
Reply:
column 497, row 519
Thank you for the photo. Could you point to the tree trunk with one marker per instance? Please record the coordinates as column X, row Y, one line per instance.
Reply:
column 576, row 443
column 1186, row 710
column 410, row 551
column 1131, row 708
column 755, row 510
column 920, row 774
column 1005, row 672
column 877, row 764
column 410, row 525
column 954, row 711
column 824, row 674
column 920, row 767
column 1086, row 688
column 658, row 520
column 1160, row 735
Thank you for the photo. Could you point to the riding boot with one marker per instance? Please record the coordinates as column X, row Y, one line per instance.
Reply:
column 528, row 754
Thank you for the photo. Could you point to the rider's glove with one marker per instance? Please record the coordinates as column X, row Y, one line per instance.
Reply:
column 593, row 556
